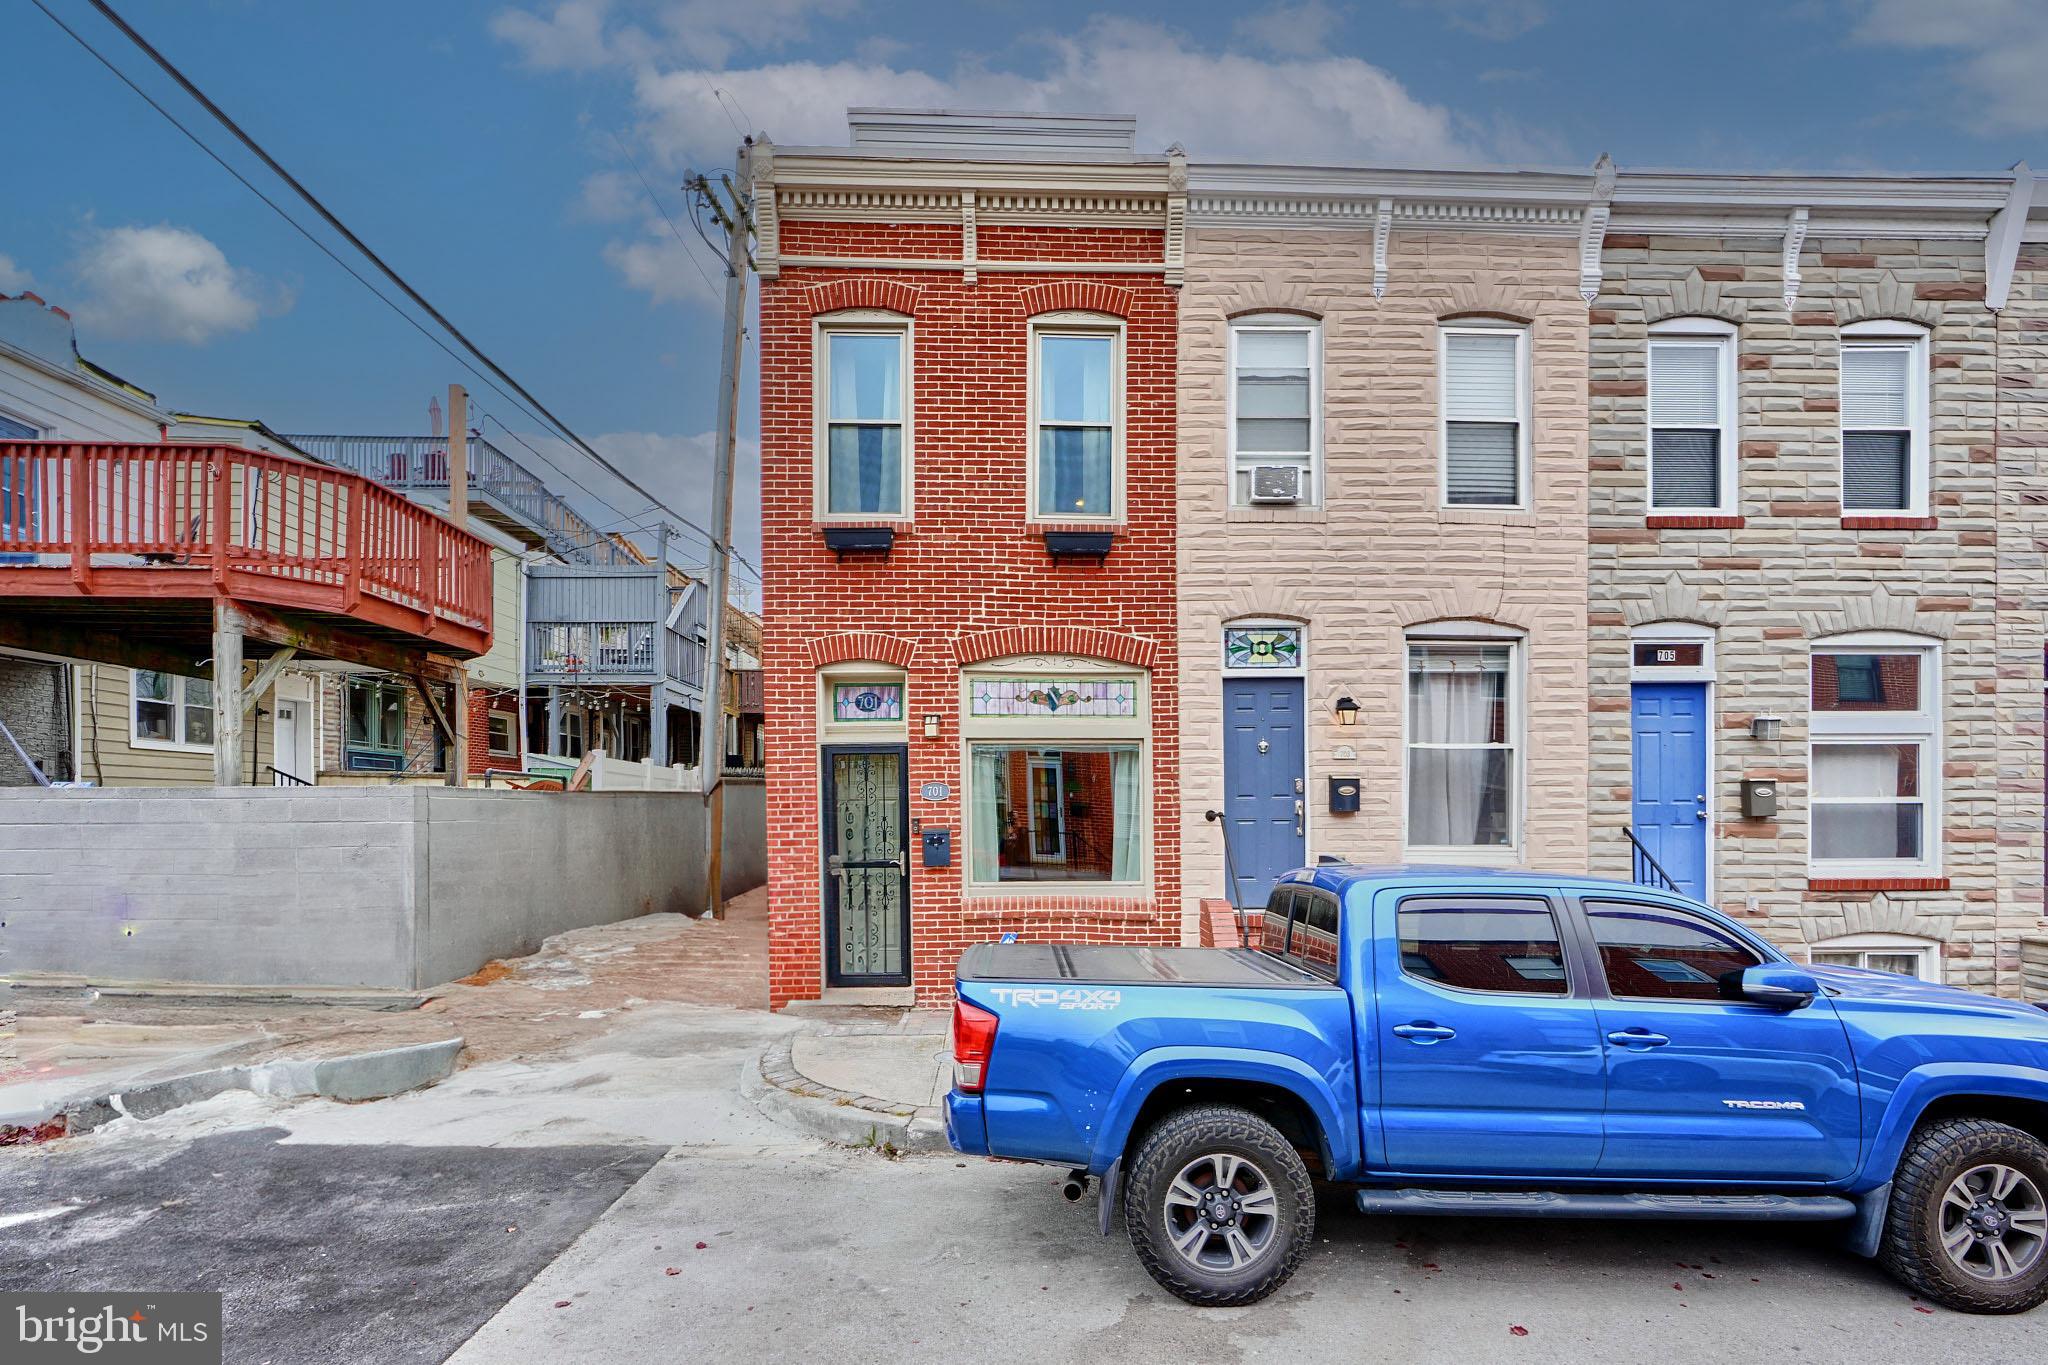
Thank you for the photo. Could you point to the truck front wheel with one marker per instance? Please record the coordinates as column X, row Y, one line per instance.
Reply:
column 1968, row 1222
column 1219, row 1206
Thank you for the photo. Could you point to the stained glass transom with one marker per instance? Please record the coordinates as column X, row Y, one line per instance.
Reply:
column 867, row 701
column 1053, row 697
column 1264, row 647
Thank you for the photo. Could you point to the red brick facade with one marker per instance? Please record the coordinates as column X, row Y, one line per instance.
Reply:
column 970, row 578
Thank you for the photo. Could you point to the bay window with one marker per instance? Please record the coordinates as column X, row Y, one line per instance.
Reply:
column 1076, row 419
column 1875, row 759
column 170, row 711
column 1485, row 415
column 1692, row 417
column 1057, row 782
column 864, row 417
column 1463, row 743
column 1884, row 419
column 1275, row 409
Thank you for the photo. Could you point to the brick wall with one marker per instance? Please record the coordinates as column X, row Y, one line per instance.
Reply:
column 1788, row 572
column 1381, row 555
column 969, row 564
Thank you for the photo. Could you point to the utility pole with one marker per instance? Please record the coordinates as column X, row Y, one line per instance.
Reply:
column 733, row 210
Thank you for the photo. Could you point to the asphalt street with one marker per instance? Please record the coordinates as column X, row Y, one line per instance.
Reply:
column 518, row 1211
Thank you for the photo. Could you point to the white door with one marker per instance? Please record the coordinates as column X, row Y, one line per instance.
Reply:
column 287, row 744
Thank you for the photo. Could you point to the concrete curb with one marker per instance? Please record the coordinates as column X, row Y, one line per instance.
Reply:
column 358, row 1076
column 773, row 1085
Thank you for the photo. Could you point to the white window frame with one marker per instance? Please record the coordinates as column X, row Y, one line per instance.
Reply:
column 1077, row 324
column 832, row 730
column 859, row 322
column 1695, row 332
column 1071, row 733
column 178, row 706
column 1925, row 951
column 1311, row 461
column 1890, row 334
column 1921, row 727
column 1523, row 477
column 491, row 719
column 1472, row 633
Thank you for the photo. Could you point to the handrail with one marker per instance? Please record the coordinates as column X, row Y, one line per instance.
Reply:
column 240, row 512
column 1646, row 862
column 280, row 778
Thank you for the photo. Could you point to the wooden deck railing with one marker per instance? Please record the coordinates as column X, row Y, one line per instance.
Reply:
column 319, row 537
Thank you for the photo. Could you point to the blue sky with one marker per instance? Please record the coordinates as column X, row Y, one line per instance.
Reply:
column 483, row 148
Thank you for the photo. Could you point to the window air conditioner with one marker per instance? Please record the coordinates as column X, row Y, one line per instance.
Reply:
column 1276, row 483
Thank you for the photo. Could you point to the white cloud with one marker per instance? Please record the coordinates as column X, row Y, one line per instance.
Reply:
column 676, row 469
column 663, row 268
column 585, row 35
column 2001, row 54
column 13, row 278
column 167, row 283
column 1497, row 20
column 609, row 196
column 1291, row 28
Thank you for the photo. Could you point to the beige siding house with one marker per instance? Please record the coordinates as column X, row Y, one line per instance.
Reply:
column 1383, row 509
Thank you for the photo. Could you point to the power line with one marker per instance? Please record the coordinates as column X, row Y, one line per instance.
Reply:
column 674, row 231
column 328, row 216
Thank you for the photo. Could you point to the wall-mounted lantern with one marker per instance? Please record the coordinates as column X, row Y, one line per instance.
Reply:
column 1347, row 711
column 931, row 727
column 1765, row 727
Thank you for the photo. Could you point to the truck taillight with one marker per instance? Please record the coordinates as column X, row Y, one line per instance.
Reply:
column 974, row 1037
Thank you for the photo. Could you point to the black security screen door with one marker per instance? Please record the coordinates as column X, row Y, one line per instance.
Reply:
column 867, row 866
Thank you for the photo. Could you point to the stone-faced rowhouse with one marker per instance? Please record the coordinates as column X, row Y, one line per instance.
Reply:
column 967, row 413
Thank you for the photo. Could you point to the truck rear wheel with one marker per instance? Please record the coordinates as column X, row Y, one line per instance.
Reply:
column 1968, row 1223
column 1219, row 1206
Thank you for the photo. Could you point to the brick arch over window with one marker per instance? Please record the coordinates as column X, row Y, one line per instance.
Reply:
column 1310, row 301
column 860, row 647
column 1462, row 603
column 1693, row 297
column 891, row 296
column 1261, row 602
column 1884, row 610
column 1675, row 600
column 1889, row 300
column 1093, row 644
column 1078, row 296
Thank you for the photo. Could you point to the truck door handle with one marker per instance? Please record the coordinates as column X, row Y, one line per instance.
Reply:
column 1425, row 1034
column 1638, row 1038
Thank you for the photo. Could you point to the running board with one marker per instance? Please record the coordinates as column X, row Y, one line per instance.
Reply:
column 1799, row 1208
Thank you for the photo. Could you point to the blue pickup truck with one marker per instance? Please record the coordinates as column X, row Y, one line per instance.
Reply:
column 1444, row 1041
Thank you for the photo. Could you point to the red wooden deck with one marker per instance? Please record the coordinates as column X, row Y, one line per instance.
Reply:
column 157, row 522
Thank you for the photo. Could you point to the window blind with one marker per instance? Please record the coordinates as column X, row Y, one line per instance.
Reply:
column 1482, row 430
column 1685, row 468
column 1876, row 470
column 1685, row 385
column 1874, row 380
column 1479, row 378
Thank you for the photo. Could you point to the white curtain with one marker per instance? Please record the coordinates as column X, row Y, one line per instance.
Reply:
column 1447, row 788
column 1124, row 830
column 989, row 776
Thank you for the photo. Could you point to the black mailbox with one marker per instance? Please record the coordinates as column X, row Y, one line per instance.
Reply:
column 938, row 847
column 1344, row 795
column 1759, row 798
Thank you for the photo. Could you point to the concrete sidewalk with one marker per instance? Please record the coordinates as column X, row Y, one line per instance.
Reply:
column 864, row 1078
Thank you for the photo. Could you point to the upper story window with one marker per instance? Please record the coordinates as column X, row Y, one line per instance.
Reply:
column 172, row 711
column 12, row 430
column 1275, row 409
column 1692, row 417
column 1876, row 763
column 1463, row 743
column 1485, row 373
column 1884, row 418
column 863, row 402
column 1077, row 412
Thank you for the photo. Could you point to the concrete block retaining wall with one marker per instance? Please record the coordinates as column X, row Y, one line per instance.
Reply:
column 398, row 887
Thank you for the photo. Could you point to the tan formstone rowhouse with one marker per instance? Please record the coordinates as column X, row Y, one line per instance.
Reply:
column 1891, row 625
column 1360, row 275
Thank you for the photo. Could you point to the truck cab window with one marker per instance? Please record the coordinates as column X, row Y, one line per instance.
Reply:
column 1653, row 952
column 1504, row 945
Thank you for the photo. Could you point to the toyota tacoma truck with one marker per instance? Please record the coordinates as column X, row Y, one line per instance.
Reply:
column 1508, row 1045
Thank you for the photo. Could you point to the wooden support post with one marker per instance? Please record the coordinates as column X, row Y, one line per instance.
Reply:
column 554, row 722
column 458, row 762
column 265, row 676
column 81, row 517
column 227, row 694
column 458, row 455
column 657, row 725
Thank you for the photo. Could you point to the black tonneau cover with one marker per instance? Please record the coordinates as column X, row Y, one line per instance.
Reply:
column 1111, row 964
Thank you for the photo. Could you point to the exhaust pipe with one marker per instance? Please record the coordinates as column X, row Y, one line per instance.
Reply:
column 1075, row 1187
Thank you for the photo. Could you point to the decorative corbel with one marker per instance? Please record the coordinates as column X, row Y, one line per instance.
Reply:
column 1382, row 228
column 1795, row 242
column 969, row 246
column 2002, row 245
column 1176, row 215
column 767, row 227
column 1593, row 228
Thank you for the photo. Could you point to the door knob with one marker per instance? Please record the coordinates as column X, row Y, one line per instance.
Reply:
column 1264, row 746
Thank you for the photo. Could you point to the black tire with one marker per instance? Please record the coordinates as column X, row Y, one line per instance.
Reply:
column 1922, row 1218
column 1222, row 1270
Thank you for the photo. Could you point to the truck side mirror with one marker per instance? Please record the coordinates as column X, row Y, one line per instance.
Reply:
column 1774, row 984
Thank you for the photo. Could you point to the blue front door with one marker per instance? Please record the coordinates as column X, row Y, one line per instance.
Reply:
column 1262, row 776
column 1670, row 773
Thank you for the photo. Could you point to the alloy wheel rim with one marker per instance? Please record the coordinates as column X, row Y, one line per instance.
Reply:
column 1222, row 1213
column 1994, row 1223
